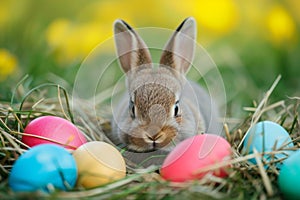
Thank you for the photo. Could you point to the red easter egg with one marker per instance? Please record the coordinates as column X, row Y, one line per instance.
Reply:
column 193, row 154
column 55, row 130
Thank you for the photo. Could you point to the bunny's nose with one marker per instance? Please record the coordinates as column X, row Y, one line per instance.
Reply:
column 152, row 131
column 158, row 138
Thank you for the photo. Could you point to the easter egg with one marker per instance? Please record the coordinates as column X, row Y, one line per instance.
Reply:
column 52, row 129
column 267, row 136
column 193, row 154
column 98, row 163
column 42, row 167
column 289, row 176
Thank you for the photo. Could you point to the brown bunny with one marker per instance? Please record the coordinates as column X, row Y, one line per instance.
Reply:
column 161, row 107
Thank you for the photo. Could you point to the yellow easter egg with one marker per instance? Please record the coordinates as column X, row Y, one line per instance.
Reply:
column 98, row 163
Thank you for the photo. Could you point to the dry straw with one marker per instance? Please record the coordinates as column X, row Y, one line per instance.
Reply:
column 245, row 180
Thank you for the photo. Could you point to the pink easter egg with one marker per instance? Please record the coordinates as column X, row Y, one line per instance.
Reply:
column 51, row 129
column 193, row 154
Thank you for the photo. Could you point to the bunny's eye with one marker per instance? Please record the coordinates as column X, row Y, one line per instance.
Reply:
column 131, row 109
column 176, row 109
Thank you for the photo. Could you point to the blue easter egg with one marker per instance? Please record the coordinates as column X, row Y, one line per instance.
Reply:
column 267, row 136
column 289, row 176
column 42, row 167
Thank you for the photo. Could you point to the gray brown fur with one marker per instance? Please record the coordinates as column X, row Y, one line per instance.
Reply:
column 153, row 126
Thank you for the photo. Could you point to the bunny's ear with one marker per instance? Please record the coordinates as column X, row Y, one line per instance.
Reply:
column 179, row 50
column 131, row 49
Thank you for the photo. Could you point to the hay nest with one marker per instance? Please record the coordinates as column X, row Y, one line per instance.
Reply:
column 245, row 180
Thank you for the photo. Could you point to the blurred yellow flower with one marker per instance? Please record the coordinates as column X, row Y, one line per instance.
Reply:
column 105, row 12
column 219, row 16
column 8, row 64
column 153, row 13
column 280, row 25
column 72, row 42
column 57, row 32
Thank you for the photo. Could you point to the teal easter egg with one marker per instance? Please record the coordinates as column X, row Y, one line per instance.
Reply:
column 267, row 136
column 289, row 176
column 42, row 167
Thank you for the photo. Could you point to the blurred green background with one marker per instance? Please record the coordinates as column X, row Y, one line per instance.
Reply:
column 251, row 41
